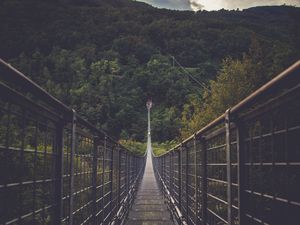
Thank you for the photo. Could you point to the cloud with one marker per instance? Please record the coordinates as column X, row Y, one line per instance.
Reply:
column 242, row 4
column 233, row 4
column 170, row 4
column 216, row 4
column 196, row 5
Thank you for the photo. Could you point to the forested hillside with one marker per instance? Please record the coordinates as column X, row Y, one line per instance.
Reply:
column 106, row 57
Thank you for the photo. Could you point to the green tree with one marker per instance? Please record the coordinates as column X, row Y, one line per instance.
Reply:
column 235, row 81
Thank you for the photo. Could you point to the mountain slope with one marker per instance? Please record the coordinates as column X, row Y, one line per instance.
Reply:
column 105, row 58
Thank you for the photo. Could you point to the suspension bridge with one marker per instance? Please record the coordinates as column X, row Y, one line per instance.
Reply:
column 57, row 168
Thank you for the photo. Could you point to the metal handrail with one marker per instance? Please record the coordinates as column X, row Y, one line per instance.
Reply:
column 12, row 75
column 289, row 74
column 238, row 168
column 57, row 167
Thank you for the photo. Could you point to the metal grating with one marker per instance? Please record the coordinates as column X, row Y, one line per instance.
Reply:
column 56, row 168
column 244, row 167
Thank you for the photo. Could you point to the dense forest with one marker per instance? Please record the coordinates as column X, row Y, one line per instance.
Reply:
column 105, row 58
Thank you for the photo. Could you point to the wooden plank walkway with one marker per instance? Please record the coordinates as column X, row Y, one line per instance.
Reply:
column 149, row 207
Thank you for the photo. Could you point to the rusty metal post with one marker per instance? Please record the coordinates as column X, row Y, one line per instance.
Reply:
column 179, row 178
column 72, row 153
column 228, row 159
column 204, row 180
column 59, row 173
column 94, row 179
column 196, row 179
column 240, row 158
column 187, row 182
column 119, row 177
column 103, row 178
column 111, row 178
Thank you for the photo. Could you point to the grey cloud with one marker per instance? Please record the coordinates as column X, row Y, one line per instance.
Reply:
column 227, row 4
column 195, row 5
column 232, row 4
column 170, row 4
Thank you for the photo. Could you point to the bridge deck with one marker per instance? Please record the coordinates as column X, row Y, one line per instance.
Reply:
column 149, row 207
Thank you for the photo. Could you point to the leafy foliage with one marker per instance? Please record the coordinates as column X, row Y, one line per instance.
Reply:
column 106, row 58
column 140, row 147
column 134, row 146
column 161, row 148
column 236, row 79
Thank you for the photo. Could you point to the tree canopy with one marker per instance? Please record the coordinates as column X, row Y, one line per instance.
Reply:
column 106, row 58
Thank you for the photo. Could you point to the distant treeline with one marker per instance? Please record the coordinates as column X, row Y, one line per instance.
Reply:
column 105, row 58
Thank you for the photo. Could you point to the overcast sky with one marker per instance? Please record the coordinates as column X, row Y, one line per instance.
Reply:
column 216, row 4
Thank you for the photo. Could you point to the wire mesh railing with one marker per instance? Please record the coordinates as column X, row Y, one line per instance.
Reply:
column 55, row 167
column 244, row 167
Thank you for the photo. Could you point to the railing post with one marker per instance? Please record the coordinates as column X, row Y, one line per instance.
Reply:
column 171, row 173
column 72, row 153
column 228, row 159
column 187, row 182
column 94, row 178
column 163, row 169
column 111, row 178
column 59, row 172
column 179, row 177
column 103, row 178
column 135, row 167
column 168, row 172
column 125, row 172
column 204, row 180
column 196, row 179
column 240, row 158
column 127, row 168
column 119, row 177
column 160, row 166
